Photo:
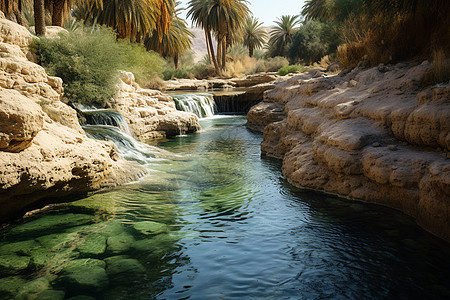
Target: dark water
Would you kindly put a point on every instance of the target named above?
(218, 222)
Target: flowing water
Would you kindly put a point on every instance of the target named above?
(215, 220)
(201, 104)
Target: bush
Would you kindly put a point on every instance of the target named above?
(88, 59)
(86, 62)
(145, 65)
(290, 69)
(312, 41)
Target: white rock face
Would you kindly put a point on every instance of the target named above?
(367, 135)
(43, 150)
(151, 114)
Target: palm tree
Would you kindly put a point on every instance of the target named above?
(282, 35)
(130, 18)
(224, 18)
(199, 14)
(254, 35)
(173, 43)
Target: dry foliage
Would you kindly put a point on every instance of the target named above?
(387, 40)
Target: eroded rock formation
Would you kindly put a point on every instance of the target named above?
(151, 114)
(43, 150)
(371, 135)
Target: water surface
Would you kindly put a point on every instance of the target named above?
(217, 221)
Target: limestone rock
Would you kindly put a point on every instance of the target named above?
(20, 121)
(252, 80)
(366, 134)
(151, 114)
(14, 34)
(43, 150)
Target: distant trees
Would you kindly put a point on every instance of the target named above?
(254, 36)
(312, 41)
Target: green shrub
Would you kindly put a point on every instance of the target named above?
(290, 69)
(87, 60)
(144, 64)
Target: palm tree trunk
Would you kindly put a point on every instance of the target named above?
(175, 61)
(207, 47)
(213, 56)
(39, 17)
(58, 12)
(250, 51)
(224, 53)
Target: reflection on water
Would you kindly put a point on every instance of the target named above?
(220, 223)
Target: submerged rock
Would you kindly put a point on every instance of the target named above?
(48, 224)
(13, 264)
(84, 275)
(122, 269)
(10, 285)
(32, 289)
(51, 295)
(93, 245)
(150, 228)
(120, 243)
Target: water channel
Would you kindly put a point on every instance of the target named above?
(215, 220)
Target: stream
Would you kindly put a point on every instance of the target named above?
(214, 219)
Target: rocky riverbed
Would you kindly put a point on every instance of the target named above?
(375, 135)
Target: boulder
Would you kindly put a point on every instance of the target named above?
(151, 114)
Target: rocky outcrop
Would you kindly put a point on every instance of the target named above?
(370, 135)
(44, 153)
(151, 114)
(204, 84)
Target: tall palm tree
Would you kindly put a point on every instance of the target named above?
(131, 18)
(282, 34)
(254, 35)
(222, 17)
(173, 43)
(198, 11)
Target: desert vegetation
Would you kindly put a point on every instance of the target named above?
(354, 33)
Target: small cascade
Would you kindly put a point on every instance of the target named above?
(109, 125)
(127, 146)
(106, 117)
(201, 104)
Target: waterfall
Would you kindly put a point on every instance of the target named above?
(106, 117)
(201, 104)
(109, 125)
